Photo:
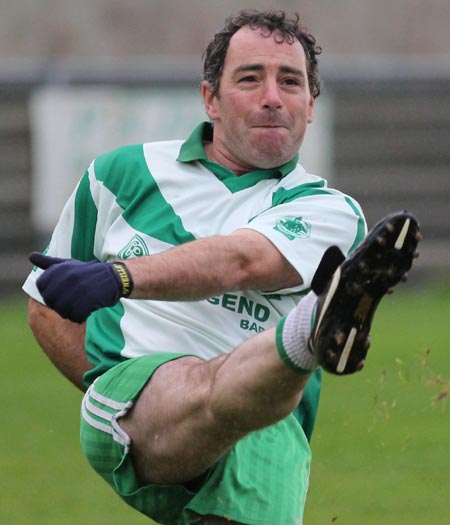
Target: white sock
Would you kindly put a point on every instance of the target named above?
(293, 332)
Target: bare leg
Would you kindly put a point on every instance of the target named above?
(192, 412)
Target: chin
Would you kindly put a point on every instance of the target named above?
(271, 157)
(269, 162)
(274, 149)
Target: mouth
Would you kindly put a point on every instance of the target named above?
(269, 126)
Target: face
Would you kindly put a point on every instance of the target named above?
(264, 103)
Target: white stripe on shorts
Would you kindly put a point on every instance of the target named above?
(110, 403)
(111, 425)
(93, 422)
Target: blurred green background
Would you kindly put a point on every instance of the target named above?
(381, 445)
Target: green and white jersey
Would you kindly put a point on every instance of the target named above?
(145, 199)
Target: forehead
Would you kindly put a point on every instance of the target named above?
(257, 46)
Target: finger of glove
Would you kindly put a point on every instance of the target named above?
(44, 261)
(50, 287)
(60, 294)
(75, 290)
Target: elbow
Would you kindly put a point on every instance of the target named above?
(268, 273)
(40, 316)
(33, 313)
(254, 277)
(36, 313)
(259, 265)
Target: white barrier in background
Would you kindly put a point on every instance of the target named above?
(72, 125)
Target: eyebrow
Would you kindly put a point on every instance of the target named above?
(260, 67)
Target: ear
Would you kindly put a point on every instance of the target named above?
(210, 100)
(311, 106)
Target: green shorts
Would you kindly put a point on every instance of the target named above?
(263, 480)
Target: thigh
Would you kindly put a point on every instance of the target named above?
(262, 479)
(111, 397)
(175, 437)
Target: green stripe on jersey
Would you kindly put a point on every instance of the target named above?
(125, 173)
(237, 182)
(104, 340)
(282, 196)
(84, 223)
(361, 229)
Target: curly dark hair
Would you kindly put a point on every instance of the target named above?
(286, 29)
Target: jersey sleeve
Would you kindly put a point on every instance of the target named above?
(74, 234)
(304, 228)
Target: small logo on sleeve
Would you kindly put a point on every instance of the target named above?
(135, 248)
(294, 228)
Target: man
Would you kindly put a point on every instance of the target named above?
(177, 268)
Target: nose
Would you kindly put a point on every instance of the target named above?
(271, 98)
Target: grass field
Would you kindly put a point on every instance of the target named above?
(381, 446)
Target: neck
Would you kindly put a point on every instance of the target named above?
(216, 155)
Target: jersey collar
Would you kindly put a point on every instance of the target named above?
(193, 150)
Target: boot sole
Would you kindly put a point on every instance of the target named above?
(346, 309)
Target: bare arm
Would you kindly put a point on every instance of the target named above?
(243, 260)
(61, 340)
(197, 270)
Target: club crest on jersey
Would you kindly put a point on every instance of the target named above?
(293, 227)
(135, 248)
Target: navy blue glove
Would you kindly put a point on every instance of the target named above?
(75, 289)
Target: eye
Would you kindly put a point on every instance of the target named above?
(248, 78)
(291, 81)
